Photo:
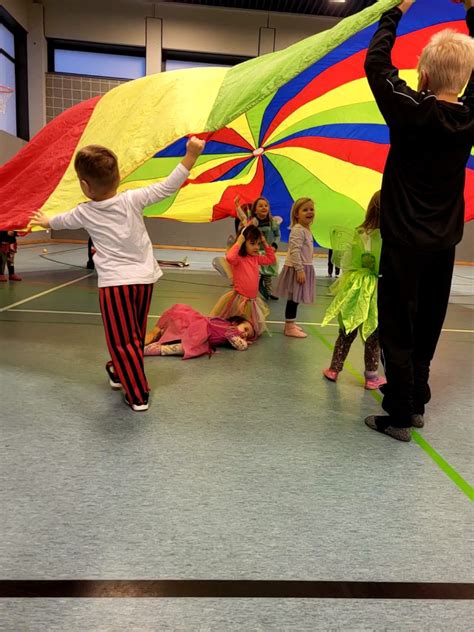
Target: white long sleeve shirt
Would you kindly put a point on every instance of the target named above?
(300, 248)
(124, 253)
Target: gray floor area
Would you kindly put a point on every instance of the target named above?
(236, 615)
(247, 466)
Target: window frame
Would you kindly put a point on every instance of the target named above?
(91, 47)
(21, 72)
(204, 58)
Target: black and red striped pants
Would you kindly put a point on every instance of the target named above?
(124, 311)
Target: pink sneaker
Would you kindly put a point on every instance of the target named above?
(372, 384)
(3, 278)
(294, 331)
(15, 277)
(330, 375)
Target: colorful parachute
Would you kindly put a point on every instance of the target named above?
(297, 122)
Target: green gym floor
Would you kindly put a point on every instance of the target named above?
(248, 467)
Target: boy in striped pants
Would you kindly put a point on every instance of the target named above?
(124, 260)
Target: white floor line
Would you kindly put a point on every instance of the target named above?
(460, 331)
(300, 322)
(270, 322)
(53, 289)
(54, 311)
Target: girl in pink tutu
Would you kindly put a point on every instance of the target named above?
(245, 262)
(297, 279)
(183, 331)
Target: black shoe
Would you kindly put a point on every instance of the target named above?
(137, 406)
(113, 379)
(382, 424)
(90, 265)
(272, 297)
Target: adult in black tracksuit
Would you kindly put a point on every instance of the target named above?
(422, 202)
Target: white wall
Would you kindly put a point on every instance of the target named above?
(185, 27)
(465, 250)
(104, 21)
(18, 9)
(290, 28)
(9, 146)
(37, 68)
(211, 30)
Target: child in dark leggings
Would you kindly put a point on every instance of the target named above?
(355, 300)
(371, 358)
(331, 266)
(8, 250)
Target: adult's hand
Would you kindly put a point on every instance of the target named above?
(405, 5)
(469, 4)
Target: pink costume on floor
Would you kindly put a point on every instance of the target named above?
(243, 300)
(198, 334)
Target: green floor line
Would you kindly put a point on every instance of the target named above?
(456, 478)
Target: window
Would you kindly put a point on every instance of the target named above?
(7, 41)
(13, 77)
(7, 102)
(98, 64)
(96, 60)
(176, 60)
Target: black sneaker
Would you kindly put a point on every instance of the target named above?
(272, 297)
(137, 407)
(114, 382)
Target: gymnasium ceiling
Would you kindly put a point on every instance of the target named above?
(332, 8)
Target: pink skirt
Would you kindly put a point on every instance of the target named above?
(252, 309)
(184, 324)
(288, 286)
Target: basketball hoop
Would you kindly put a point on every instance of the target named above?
(5, 94)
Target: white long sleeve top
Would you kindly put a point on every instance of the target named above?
(300, 248)
(124, 253)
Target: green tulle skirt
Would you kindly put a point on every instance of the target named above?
(355, 302)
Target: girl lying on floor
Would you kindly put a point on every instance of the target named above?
(183, 331)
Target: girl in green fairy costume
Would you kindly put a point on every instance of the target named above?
(355, 297)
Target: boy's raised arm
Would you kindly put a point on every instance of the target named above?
(194, 148)
(389, 90)
(145, 196)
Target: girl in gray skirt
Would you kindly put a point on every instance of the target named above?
(297, 279)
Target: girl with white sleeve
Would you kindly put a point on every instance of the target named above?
(124, 260)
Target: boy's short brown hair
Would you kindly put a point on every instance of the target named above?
(98, 166)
